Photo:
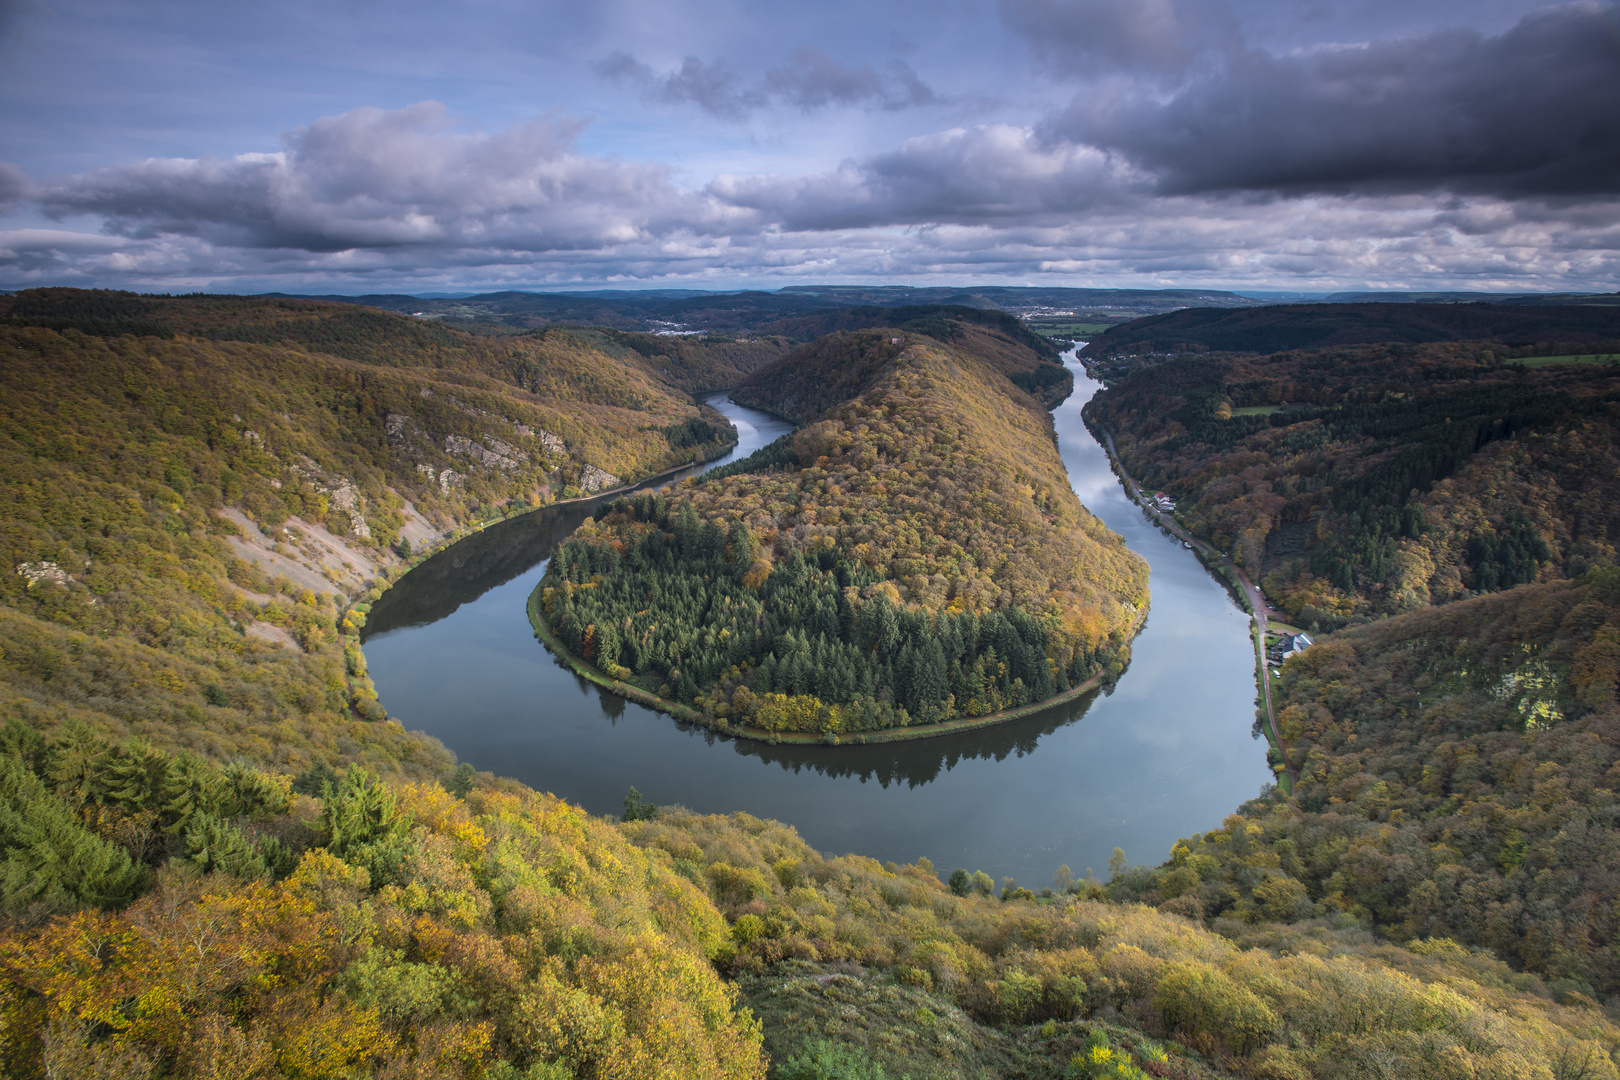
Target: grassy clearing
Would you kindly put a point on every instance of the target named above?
(1069, 330)
(1256, 410)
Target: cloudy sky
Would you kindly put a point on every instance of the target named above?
(447, 145)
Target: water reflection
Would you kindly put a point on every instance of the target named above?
(914, 764)
(471, 567)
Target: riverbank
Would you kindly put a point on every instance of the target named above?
(630, 692)
(363, 699)
(1238, 583)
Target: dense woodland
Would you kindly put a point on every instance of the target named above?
(1313, 326)
(1457, 774)
(1366, 481)
(750, 313)
(222, 922)
(125, 604)
(218, 860)
(913, 553)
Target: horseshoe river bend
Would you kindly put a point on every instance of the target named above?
(1167, 753)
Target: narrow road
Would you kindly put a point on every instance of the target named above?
(1259, 607)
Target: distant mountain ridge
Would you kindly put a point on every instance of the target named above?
(746, 311)
(1310, 326)
(1523, 299)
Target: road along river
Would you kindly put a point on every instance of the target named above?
(1168, 753)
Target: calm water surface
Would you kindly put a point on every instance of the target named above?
(1166, 754)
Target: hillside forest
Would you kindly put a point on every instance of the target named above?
(911, 554)
(1362, 481)
(187, 514)
(220, 859)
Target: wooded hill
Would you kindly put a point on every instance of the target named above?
(194, 886)
(365, 334)
(1364, 481)
(749, 312)
(1314, 326)
(1029, 360)
(182, 511)
(913, 553)
(1457, 769)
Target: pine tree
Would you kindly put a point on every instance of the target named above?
(212, 844)
(687, 530)
(929, 684)
(363, 826)
(50, 860)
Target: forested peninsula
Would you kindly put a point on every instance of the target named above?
(219, 858)
(911, 555)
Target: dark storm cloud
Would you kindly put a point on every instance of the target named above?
(808, 80)
(812, 80)
(714, 88)
(1174, 153)
(711, 87)
(1532, 111)
(1141, 37)
(992, 173)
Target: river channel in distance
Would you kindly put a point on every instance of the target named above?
(1167, 754)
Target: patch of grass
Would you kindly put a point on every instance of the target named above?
(1256, 410)
(1069, 330)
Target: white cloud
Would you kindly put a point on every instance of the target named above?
(408, 200)
(403, 178)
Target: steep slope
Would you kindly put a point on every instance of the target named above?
(1457, 769)
(170, 919)
(251, 930)
(882, 966)
(916, 554)
(1361, 482)
(182, 511)
(1028, 359)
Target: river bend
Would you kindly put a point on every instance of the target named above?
(1167, 753)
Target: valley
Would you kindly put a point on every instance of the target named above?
(198, 749)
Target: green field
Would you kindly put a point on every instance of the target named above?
(1588, 358)
(1256, 410)
(1070, 330)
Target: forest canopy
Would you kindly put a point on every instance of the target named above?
(1278, 327)
(219, 859)
(185, 514)
(1360, 482)
(912, 554)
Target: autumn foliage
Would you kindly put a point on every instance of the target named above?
(920, 553)
(1361, 482)
(395, 931)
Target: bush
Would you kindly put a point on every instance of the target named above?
(1200, 1000)
(824, 1060)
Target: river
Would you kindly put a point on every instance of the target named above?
(1166, 754)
